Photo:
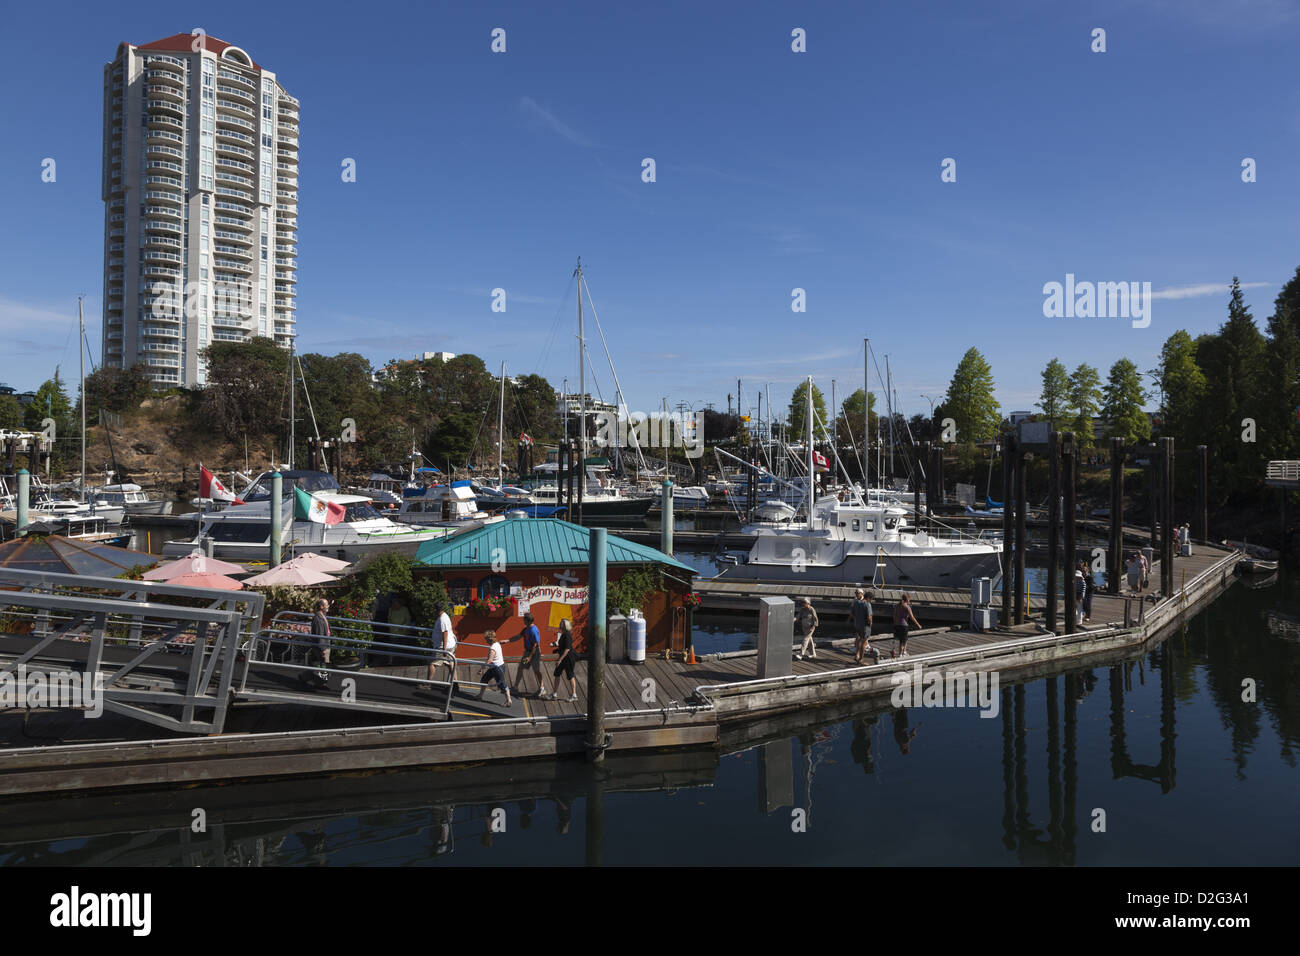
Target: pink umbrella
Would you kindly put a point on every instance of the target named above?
(288, 574)
(316, 562)
(195, 563)
(200, 580)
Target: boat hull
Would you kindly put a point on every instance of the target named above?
(887, 570)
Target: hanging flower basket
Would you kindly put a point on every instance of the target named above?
(494, 606)
(691, 601)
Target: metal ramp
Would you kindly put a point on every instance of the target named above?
(159, 653)
(179, 658)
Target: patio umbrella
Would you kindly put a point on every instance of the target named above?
(287, 574)
(194, 563)
(205, 580)
(316, 562)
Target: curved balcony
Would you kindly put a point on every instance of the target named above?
(287, 158)
(225, 236)
(164, 106)
(235, 164)
(229, 120)
(234, 208)
(169, 76)
(233, 134)
(158, 149)
(159, 120)
(231, 90)
(227, 146)
(165, 211)
(228, 177)
(163, 62)
(160, 135)
(233, 105)
(165, 92)
(153, 240)
(231, 75)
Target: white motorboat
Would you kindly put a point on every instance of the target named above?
(132, 498)
(242, 532)
(445, 506)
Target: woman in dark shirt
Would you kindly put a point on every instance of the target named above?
(564, 665)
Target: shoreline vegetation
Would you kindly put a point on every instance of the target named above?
(1236, 390)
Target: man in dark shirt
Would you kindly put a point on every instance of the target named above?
(532, 659)
(862, 623)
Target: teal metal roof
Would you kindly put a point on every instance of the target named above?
(534, 541)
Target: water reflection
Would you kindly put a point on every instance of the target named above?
(849, 768)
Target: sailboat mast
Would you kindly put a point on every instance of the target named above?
(81, 351)
(866, 412)
(293, 433)
(889, 391)
(582, 383)
(812, 484)
(501, 422)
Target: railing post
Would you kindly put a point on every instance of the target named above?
(596, 646)
(276, 505)
(24, 499)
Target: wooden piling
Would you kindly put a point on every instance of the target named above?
(1069, 464)
(1008, 527)
(1203, 494)
(1169, 534)
(1054, 529)
(596, 641)
(1022, 509)
(1115, 557)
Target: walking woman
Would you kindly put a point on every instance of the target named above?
(903, 614)
(564, 665)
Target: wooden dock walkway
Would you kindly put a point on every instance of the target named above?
(652, 705)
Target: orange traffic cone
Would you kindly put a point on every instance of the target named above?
(691, 659)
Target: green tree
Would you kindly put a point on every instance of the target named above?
(247, 388)
(1056, 393)
(970, 401)
(1183, 385)
(11, 413)
(798, 417)
(850, 418)
(52, 401)
(114, 389)
(1282, 362)
(1084, 402)
(1233, 361)
(1123, 398)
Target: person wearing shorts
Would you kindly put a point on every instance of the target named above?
(496, 668)
(532, 659)
(903, 614)
(564, 665)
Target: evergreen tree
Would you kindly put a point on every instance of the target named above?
(970, 402)
(1084, 403)
(1056, 393)
(1282, 362)
(1233, 361)
(11, 413)
(1123, 398)
(1183, 385)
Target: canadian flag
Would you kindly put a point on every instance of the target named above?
(525, 438)
(210, 487)
(820, 460)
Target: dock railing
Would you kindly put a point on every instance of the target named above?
(1283, 471)
(145, 647)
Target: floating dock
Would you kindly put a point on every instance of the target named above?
(659, 704)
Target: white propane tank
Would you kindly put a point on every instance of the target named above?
(635, 637)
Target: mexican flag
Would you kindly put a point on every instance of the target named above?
(310, 508)
(210, 487)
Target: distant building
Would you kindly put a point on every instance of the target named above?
(1017, 417)
(437, 356)
(200, 190)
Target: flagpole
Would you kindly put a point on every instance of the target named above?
(200, 539)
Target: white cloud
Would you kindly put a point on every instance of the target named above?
(1206, 288)
(537, 116)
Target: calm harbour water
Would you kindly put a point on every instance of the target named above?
(1186, 772)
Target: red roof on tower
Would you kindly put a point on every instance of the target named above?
(184, 43)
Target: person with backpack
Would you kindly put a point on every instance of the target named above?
(532, 659)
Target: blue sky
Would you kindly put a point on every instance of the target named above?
(775, 170)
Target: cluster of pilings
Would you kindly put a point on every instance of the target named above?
(570, 473)
(1062, 455)
(34, 452)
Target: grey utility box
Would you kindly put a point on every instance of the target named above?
(775, 637)
(616, 638)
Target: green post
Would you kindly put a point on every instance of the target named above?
(24, 498)
(666, 522)
(596, 646)
(277, 505)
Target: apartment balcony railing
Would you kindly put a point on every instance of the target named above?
(165, 197)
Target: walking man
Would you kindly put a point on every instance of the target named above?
(862, 622)
(532, 659)
(444, 638)
(318, 651)
(805, 623)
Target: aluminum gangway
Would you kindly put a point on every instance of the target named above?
(180, 657)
